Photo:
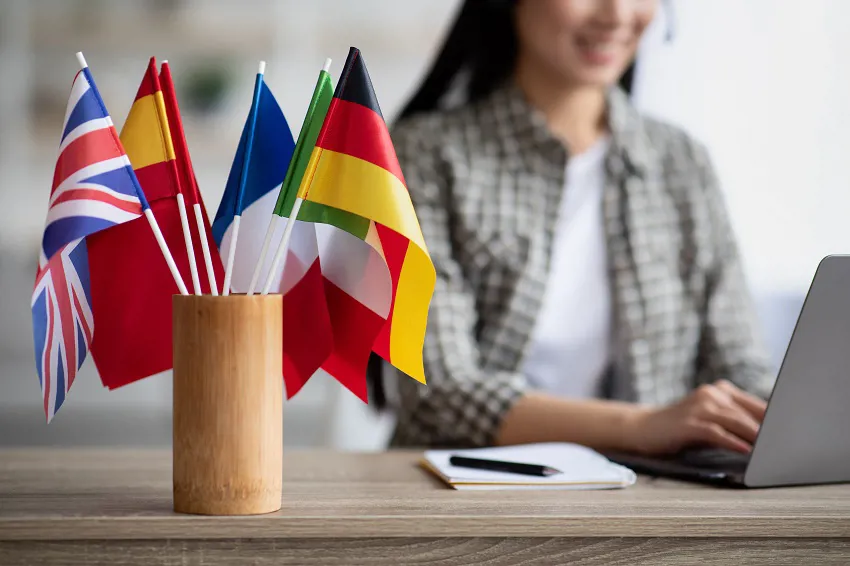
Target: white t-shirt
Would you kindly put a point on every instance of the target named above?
(570, 346)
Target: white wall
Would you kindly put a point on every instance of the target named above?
(765, 83)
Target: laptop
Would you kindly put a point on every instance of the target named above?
(805, 436)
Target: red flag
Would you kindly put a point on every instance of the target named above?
(189, 184)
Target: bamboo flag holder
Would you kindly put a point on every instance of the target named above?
(228, 397)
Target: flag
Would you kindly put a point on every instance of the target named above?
(307, 332)
(274, 164)
(94, 189)
(188, 183)
(378, 297)
(271, 148)
(131, 285)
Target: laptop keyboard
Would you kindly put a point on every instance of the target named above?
(715, 458)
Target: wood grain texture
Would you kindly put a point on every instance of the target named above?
(99, 507)
(228, 396)
(442, 551)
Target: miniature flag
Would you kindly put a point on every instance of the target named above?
(132, 287)
(202, 229)
(267, 155)
(94, 189)
(378, 275)
(307, 332)
(262, 158)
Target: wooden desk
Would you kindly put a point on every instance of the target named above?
(114, 507)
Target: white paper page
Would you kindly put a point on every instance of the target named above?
(579, 466)
(536, 486)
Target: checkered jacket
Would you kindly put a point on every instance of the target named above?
(486, 181)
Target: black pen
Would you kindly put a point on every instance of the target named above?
(500, 466)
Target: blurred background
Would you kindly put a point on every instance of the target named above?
(763, 83)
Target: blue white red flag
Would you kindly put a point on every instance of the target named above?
(94, 188)
(258, 169)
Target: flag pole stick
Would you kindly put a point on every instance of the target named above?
(205, 247)
(273, 222)
(166, 253)
(163, 247)
(284, 244)
(231, 255)
(184, 224)
(190, 248)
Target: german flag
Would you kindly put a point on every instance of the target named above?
(130, 282)
(378, 301)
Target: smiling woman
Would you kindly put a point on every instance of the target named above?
(589, 288)
(579, 42)
(483, 44)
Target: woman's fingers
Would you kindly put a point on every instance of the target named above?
(752, 404)
(716, 435)
(719, 414)
(737, 422)
(727, 417)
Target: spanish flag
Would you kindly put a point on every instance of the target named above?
(131, 284)
(378, 298)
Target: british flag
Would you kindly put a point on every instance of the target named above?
(94, 188)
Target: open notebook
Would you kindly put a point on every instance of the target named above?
(581, 468)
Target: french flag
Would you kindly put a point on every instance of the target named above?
(259, 167)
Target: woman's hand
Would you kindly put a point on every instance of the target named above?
(719, 415)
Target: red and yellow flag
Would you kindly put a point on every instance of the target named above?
(130, 282)
(379, 306)
(148, 140)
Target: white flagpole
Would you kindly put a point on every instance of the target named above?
(231, 254)
(190, 248)
(205, 247)
(284, 244)
(169, 259)
(275, 220)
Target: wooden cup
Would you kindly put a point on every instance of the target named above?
(228, 396)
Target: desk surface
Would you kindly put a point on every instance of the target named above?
(101, 500)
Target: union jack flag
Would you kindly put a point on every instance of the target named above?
(94, 188)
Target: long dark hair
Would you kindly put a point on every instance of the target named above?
(483, 44)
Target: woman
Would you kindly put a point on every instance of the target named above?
(588, 285)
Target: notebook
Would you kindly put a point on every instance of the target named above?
(581, 468)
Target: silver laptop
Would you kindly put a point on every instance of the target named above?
(805, 436)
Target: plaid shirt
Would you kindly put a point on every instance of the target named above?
(486, 181)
